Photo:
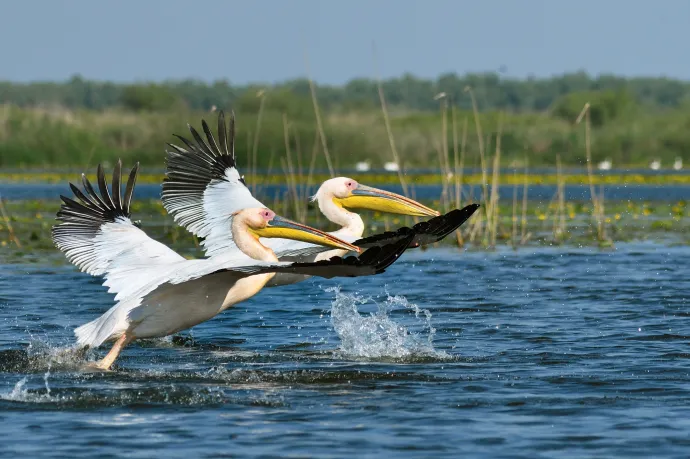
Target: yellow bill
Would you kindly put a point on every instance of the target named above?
(364, 197)
(283, 228)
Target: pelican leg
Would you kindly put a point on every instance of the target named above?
(108, 360)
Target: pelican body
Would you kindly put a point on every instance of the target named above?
(159, 292)
(336, 198)
(203, 186)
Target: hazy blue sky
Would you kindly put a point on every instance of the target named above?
(265, 40)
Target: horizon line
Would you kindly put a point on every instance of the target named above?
(501, 76)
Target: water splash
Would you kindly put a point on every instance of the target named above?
(45, 355)
(377, 335)
(21, 393)
(45, 380)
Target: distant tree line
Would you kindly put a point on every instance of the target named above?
(493, 92)
(633, 120)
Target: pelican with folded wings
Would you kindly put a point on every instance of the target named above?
(203, 186)
(157, 291)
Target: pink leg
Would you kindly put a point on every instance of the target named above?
(106, 362)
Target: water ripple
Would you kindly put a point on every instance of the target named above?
(539, 353)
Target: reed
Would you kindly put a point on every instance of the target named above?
(480, 140)
(559, 221)
(389, 133)
(442, 149)
(477, 228)
(8, 224)
(319, 123)
(459, 167)
(443, 171)
(249, 152)
(289, 171)
(301, 187)
(269, 170)
(255, 145)
(444, 162)
(525, 235)
(514, 219)
(597, 204)
(493, 208)
(310, 172)
(604, 240)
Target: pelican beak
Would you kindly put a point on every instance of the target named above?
(280, 227)
(365, 197)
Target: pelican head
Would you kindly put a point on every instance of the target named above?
(347, 193)
(262, 222)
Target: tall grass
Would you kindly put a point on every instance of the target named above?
(54, 136)
(459, 167)
(255, 146)
(8, 224)
(525, 235)
(597, 201)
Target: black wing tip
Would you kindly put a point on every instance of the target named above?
(467, 210)
(200, 161)
(91, 209)
(198, 146)
(423, 233)
(370, 262)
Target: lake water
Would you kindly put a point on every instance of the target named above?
(537, 353)
(658, 193)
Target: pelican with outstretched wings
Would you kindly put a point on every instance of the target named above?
(203, 186)
(157, 291)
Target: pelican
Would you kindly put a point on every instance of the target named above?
(157, 291)
(203, 186)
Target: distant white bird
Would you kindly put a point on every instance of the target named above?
(391, 166)
(604, 165)
(655, 165)
(203, 186)
(159, 292)
(362, 166)
(678, 164)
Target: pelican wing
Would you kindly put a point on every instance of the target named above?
(203, 187)
(373, 261)
(96, 233)
(427, 232)
(98, 236)
(164, 307)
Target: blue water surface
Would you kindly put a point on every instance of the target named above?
(537, 353)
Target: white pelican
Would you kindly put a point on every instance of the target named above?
(605, 165)
(203, 186)
(158, 292)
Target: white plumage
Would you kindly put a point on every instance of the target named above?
(202, 186)
(157, 291)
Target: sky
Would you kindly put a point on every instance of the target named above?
(337, 40)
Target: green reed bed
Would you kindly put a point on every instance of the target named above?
(151, 175)
(669, 223)
(59, 137)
